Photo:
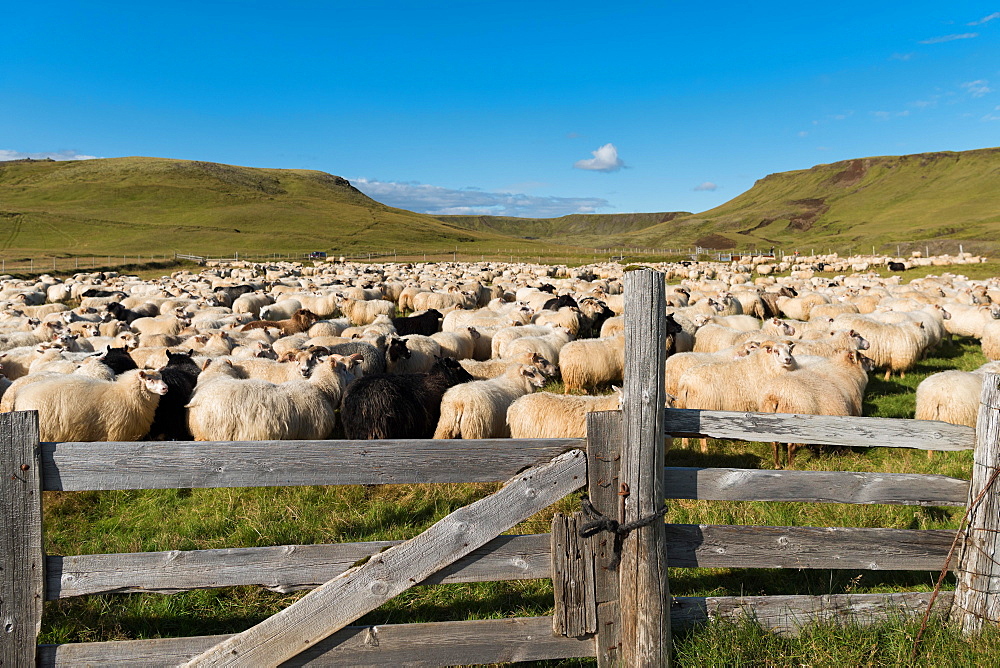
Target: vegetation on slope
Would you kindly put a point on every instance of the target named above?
(157, 204)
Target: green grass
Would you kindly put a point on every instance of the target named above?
(153, 520)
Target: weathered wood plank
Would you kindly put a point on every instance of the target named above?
(282, 568)
(575, 612)
(173, 464)
(22, 581)
(730, 484)
(723, 546)
(788, 615)
(429, 644)
(977, 591)
(604, 438)
(500, 640)
(864, 432)
(361, 589)
(644, 593)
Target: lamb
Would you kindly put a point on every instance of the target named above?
(361, 312)
(548, 415)
(229, 409)
(478, 409)
(300, 321)
(399, 405)
(77, 408)
(588, 363)
(494, 368)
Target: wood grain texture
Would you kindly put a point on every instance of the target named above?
(282, 568)
(430, 644)
(730, 484)
(724, 546)
(575, 612)
(788, 615)
(361, 589)
(644, 593)
(862, 432)
(22, 582)
(977, 590)
(604, 439)
(177, 464)
(499, 640)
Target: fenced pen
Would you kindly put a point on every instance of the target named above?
(619, 614)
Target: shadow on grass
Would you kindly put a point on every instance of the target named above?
(778, 582)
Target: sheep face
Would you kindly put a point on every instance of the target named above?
(782, 353)
(153, 382)
(535, 377)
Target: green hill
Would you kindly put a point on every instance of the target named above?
(159, 205)
(930, 199)
(156, 204)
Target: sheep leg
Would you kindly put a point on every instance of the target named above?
(902, 374)
(704, 445)
(888, 372)
(686, 443)
(792, 447)
(930, 454)
(777, 457)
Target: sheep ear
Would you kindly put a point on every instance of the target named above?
(142, 374)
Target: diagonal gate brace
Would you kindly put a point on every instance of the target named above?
(359, 590)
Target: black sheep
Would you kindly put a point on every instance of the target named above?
(170, 420)
(557, 303)
(405, 405)
(426, 323)
(897, 266)
(118, 360)
(672, 327)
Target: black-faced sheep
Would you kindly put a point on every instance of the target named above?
(170, 420)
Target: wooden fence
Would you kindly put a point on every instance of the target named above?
(621, 615)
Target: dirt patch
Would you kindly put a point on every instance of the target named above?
(763, 223)
(811, 210)
(715, 242)
(855, 171)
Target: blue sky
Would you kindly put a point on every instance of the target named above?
(512, 108)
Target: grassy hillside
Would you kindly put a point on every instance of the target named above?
(156, 204)
(934, 199)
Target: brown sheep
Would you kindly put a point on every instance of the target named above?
(300, 321)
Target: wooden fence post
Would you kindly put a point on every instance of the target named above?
(977, 592)
(604, 442)
(22, 564)
(644, 591)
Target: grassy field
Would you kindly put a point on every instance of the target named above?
(98, 522)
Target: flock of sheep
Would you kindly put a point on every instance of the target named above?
(291, 352)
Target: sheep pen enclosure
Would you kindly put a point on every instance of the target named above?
(591, 617)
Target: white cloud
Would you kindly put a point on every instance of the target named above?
(949, 38)
(605, 160)
(977, 88)
(439, 201)
(993, 116)
(985, 19)
(886, 115)
(901, 56)
(803, 133)
(707, 185)
(7, 154)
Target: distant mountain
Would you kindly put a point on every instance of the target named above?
(928, 199)
(938, 200)
(158, 204)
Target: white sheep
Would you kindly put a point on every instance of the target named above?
(734, 385)
(547, 345)
(991, 340)
(891, 346)
(74, 407)
(363, 312)
(548, 415)
(460, 344)
(225, 408)
(952, 396)
(421, 352)
(588, 363)
(493, 368)
(478, 409)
